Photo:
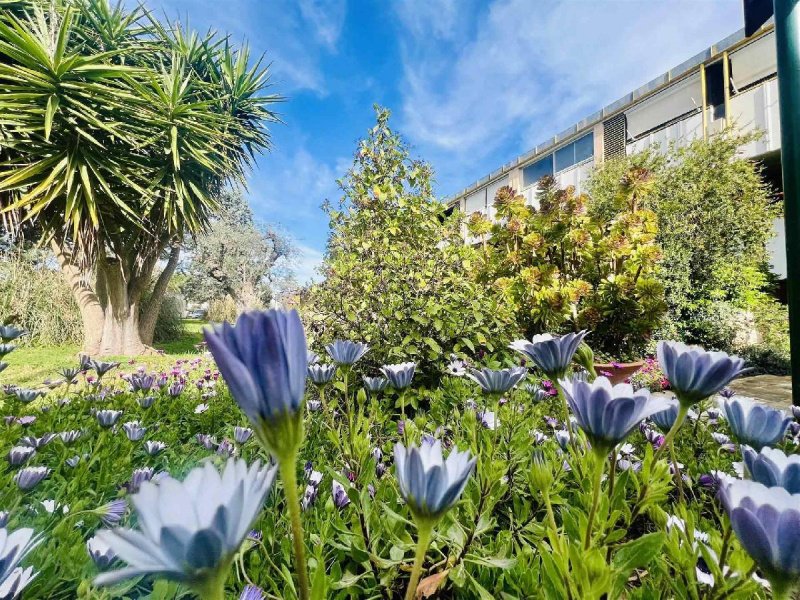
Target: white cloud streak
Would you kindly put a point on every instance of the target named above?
(306, 264)
(518, 72)
(294, 35)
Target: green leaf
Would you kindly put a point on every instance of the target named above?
(49, 113)
(637, 553)
(433, 345)
(494, 562)
(483, 593)
(319, 584)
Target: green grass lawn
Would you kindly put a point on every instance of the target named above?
(29, 366)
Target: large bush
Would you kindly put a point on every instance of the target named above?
(714, 215)
(397, 274)
(33, 291)
(562, 268)
(169, 325)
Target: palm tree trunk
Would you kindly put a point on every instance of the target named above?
(92, 313)
(109, 297)
(149, 314)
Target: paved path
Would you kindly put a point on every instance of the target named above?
(775, 390)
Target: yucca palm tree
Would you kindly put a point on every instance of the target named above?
(116, 134)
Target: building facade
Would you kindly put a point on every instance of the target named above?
(734, 82)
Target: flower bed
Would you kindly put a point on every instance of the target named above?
(501, 483)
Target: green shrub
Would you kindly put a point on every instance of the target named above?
(766, 359)
(38, 295)
(715, 216)
(711, 324)
(169, 326)
(33, 290)
(222, 309)
(397, 271)
(772, 322)
(561, 267)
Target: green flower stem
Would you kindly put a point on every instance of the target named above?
(350, 404)
(423, 541)
(213, 588)
(551, 518)
(563, 397)
(612, 475)
(682, 412)
(598, 480)
(677, 470)
(782, 588)
(726, 540)
(403, 415)
(289, 477)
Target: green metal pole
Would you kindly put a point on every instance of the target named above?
(787, 39)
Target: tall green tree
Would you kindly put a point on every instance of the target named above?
(397, 273)
(117, 133)
(238, 258)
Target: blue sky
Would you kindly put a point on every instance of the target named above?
(471, 84)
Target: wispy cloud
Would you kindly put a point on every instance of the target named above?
(506, 77)
(326, 18)
(279, 28)
(293, 184)
(289, 189)
(306, 264)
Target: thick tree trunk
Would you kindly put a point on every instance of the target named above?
(92, 313)
(113, 320)
(149, 317)
(119, 297)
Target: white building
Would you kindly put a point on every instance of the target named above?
(732, 82)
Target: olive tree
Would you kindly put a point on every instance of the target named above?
(238, 258)
(117, 134)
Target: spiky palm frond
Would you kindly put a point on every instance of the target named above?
(112, 124)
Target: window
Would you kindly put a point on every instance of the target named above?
(565, 157)
(584, 148)
(715, 89)
(535, 171)
(576, 152)
(674, 102)
(573, 153)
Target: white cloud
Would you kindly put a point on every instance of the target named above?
(519, 72)
(305, 265)
(326, 18)
(441, 19)
(291, 185)
(279, 28)
(288, 190)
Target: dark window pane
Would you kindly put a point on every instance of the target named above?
(565, 157)
(535, 171)
(715, 84)
(584, 148)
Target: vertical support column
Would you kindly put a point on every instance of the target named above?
(787, 40)
(599, 143)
